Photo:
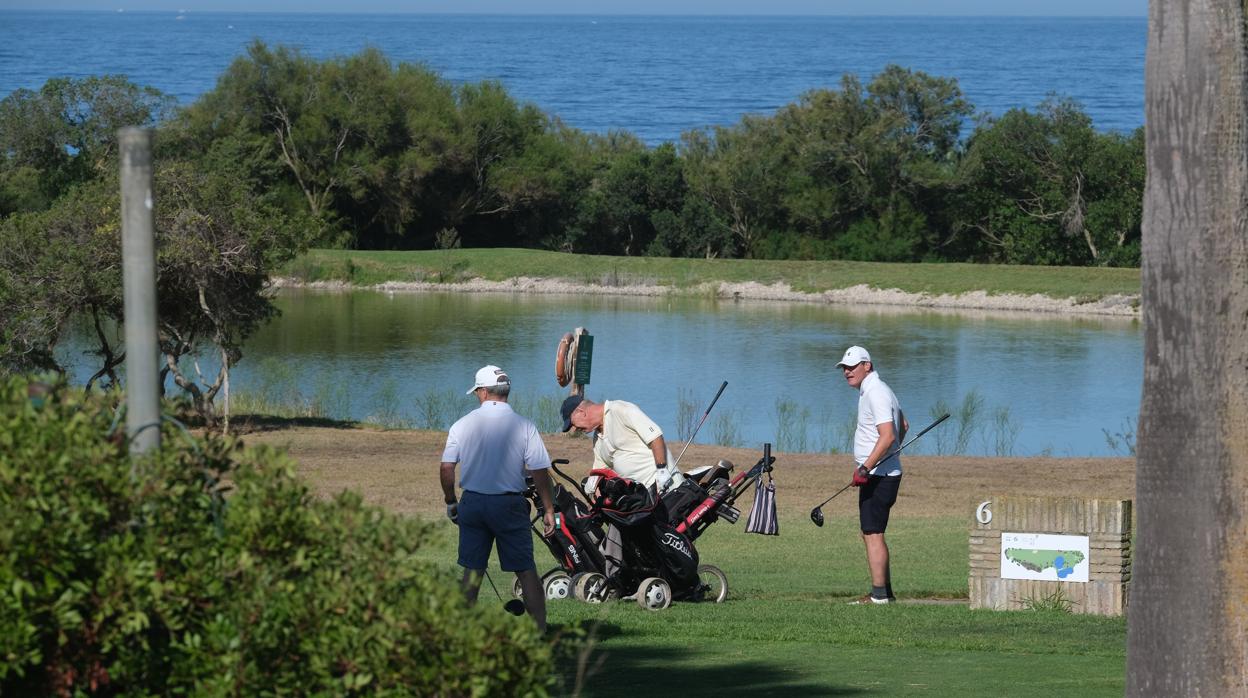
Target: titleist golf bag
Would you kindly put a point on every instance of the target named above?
(652, 546)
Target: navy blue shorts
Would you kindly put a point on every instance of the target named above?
(875, 499)
(486, 518)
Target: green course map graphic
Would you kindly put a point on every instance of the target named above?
(1062, 561)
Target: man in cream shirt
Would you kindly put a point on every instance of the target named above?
(625, 439)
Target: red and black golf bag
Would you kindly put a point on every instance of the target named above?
(578, 534)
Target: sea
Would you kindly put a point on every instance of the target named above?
(656, 77)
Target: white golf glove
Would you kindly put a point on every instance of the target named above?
(663, 478)
(452, 512)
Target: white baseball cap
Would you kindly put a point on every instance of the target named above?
(854, 356)
(489, 377)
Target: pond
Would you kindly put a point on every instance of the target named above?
(1016, 384)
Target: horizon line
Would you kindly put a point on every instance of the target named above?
(568, 14)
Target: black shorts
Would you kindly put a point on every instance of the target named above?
(875, 499)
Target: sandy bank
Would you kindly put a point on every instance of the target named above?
(1116, 305)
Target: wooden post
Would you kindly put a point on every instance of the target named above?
(138, 247)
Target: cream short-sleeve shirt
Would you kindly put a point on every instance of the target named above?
(624, 443)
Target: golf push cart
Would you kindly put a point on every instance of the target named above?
(659, 562)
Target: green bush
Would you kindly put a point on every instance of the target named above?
(210, 569)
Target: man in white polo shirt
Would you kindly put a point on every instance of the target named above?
(881, 427)
(495, 446)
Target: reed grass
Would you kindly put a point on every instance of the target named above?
(686, 414)
(386, 411)
(438, 409)
(792, 425)
(1122, 442)
(542, 409)
(727, 428)
(275, 391)
(1002, 433)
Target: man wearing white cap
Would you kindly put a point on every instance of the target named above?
(496, 446)
(881, 427)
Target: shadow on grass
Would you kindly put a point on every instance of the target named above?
(607, 671)
(257, 423)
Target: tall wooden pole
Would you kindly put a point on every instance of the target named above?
(1188, 607)
(138, 248)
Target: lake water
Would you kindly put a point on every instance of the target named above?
(654, 76)
(1064, 381)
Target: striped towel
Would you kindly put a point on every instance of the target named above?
(762, 519)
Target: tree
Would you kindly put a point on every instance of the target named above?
(217, 245)
(496, 162)
(66, 133)
(738, 172)
(869, 168)
(1189, 586)
(58, 264)
(1045, 187)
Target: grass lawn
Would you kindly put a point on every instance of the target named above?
(446, 266)
(786, 629)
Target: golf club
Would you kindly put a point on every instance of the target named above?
(704, 416)
(816, 514)
(515, 607)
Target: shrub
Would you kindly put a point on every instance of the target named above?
(210, 569)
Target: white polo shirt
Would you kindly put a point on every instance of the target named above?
(877, 404)
(624, 442)
(493, 446)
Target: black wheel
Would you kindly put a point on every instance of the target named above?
(714, 583)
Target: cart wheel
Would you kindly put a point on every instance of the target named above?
(558, 585)
(654, 594)
(590, 587)
(714, 583)
(517, 589)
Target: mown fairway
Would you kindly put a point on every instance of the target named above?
(786, 628)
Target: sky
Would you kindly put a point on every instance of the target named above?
(1048, 8)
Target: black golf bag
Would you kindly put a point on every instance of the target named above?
(578, 535)
(651, 544)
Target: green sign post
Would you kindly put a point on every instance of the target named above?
(584, 357)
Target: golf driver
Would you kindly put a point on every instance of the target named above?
(515, 607)
(705, 414)
(816, 514)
